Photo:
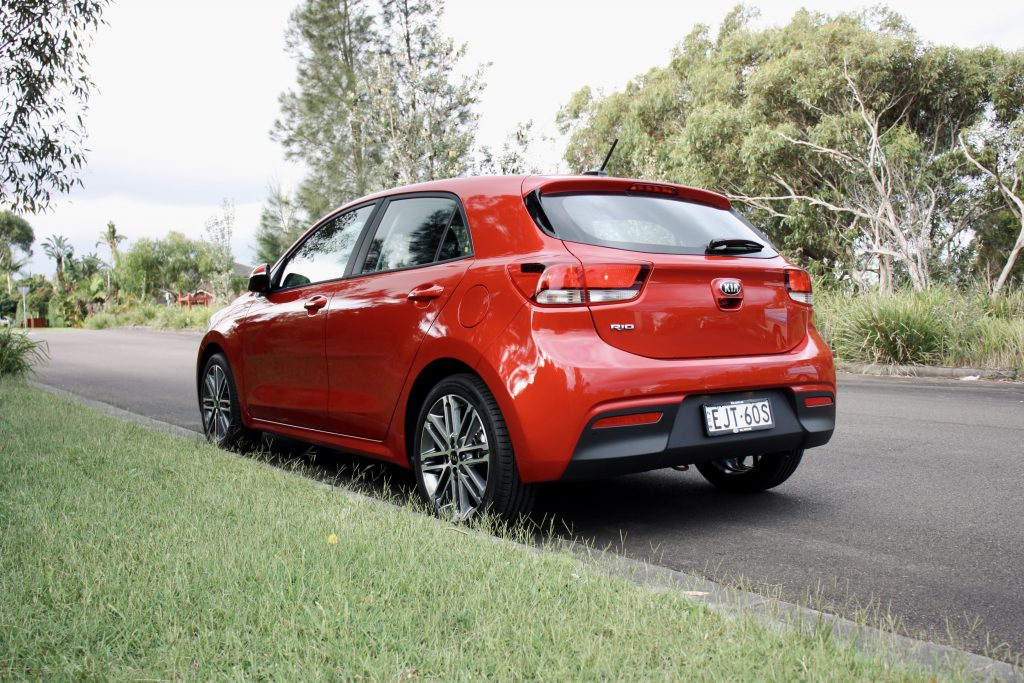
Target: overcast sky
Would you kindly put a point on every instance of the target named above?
(187, 92)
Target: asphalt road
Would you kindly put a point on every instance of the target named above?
(917, 504)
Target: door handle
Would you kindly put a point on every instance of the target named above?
(426, 292)
(315, 304)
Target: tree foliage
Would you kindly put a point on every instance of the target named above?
(377, 101)
(15, 235)
(279, 226)
(44, 92)
(175, 264)
(838, 132)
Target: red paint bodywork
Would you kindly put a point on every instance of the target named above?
(343, 374)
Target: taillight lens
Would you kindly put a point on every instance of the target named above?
(572, 284)
(798, 284)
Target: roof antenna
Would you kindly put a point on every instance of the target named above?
(600, 171)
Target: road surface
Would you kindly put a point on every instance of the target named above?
(917, 503)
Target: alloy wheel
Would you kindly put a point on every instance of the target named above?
(216, 404)
(454, 457)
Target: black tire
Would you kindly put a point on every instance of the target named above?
(219, 410)
(446, 456)
(751, 474)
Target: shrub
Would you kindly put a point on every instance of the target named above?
(941, 326)
(18, 352)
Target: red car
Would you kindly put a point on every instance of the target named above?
(493, 333)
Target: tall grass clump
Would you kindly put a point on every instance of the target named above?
(939, 326)
(18, 353)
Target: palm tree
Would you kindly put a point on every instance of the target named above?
(9, 265)
(58, 248)
(111, 237)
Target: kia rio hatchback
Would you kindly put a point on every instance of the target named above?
(493, 333)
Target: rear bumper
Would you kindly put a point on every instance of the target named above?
(553, 376)
(680, 438)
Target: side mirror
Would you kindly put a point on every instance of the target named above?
(259, 280)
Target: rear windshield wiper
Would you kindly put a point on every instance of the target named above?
(735, 246)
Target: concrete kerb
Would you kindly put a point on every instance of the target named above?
(730, 602)
(930, 371)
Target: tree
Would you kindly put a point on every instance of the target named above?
(515, 156)
(377, 100)
(15, 234)
(422, 114)
(60, 250)
(995, 146)
(45, 92)
(323, 121)
(219, 229)
(174, 264)
(111, 238)
(279, 226)
(839, 133)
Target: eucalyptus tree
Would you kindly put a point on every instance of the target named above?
(44, 93)
(839, 132)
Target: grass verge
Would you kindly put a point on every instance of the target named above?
(128, 554)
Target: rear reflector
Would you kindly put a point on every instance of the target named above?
(798, 284)
(817, 401)
(567, 284)
(628, 420)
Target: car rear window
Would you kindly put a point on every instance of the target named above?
(657, 225)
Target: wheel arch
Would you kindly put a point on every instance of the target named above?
(209, 349)
(429, 376)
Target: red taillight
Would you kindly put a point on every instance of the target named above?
(561, 284)
(568, 284)
(628, 420)
(798, 284)
(817, 401)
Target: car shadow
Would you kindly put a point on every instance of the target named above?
(633, 514)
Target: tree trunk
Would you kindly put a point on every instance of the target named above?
(1010, 260)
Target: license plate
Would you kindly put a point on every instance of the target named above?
(748, 415)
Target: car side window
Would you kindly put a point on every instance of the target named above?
(410, 232)
(324, 255)
(456, 242)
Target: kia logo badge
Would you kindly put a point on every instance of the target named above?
(730, 287)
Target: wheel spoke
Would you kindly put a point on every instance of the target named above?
(474, 484)
(430, 428)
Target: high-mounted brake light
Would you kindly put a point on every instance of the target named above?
(798, 284)
(651, 188)
(569, 284)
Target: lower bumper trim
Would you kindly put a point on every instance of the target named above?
(679, 438)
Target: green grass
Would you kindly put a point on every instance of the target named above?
(941, 326)
(127, 554)
(152, 315)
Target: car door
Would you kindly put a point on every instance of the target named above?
(285, 370)
(403, 276)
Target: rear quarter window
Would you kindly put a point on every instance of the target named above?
(647, 224)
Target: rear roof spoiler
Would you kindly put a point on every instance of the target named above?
(547, 185)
